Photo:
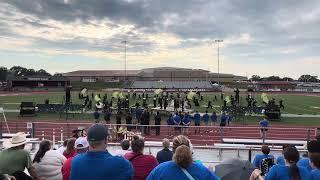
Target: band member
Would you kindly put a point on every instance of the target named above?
(160, 102)
(209, 105)
(154, 102)
(254, 103)
(165, 103)
(281, 104)
(144, 102)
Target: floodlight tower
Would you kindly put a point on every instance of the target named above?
(125, 42)
(218, 41)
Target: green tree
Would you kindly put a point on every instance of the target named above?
(255, 78)
(308, 78)
(3, 73)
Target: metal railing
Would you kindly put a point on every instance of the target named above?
(203, 135)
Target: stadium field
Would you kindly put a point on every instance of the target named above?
(294, 103)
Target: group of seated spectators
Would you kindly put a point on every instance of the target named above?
(87, 158)
(288, 166)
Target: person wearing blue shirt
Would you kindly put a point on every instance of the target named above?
(186, 121)
(170, 123)
(197, 118)
(315, 163)
(280, 159)
(265, 154)
(97, 163)
(284, 172)
(139, 112)
(223, 119)
(182, 166)
(177, 122)
(264, 127)
(205, 118)
(313, 148)
(213, 119)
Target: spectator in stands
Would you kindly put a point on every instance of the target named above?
(313, 148)
(62, 148)
(197, 118)
(142, 164)
(102, 164)
(157, 122)
(6, 177)
(82, 146)
(315, 163)
(213, 118)
(223, 119)
(259, 157)
(47, 163)
(182, 165)
(186, 121)
(280, 159)
(125, 145)
(14, 159)
(284, 172)
(264, 123)
(70, 150)
(165, 154)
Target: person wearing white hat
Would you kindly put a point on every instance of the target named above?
(82, 146)
(14, 159)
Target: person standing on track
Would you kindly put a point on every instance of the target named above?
(197, 118)
(213, 118)
(264, 123)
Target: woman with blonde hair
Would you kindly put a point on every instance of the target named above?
(182, 165)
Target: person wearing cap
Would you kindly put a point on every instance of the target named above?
(14, 159)
(82, 146)
(98, 163)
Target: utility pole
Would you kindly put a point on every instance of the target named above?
(218, 41)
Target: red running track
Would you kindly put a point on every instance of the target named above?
(207, 135)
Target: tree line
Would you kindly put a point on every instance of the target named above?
(302, 78)
(18, 71)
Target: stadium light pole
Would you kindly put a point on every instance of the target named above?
(125, 42)
(218, 41)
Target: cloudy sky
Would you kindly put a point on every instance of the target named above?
(259, 37)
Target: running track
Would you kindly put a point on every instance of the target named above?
(207, 136)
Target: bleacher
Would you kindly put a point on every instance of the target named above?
(172, 84)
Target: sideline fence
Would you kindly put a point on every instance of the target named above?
(200, 135)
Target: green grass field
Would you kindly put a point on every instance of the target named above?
(294, 104)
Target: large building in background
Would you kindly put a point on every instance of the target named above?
(152, 74)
